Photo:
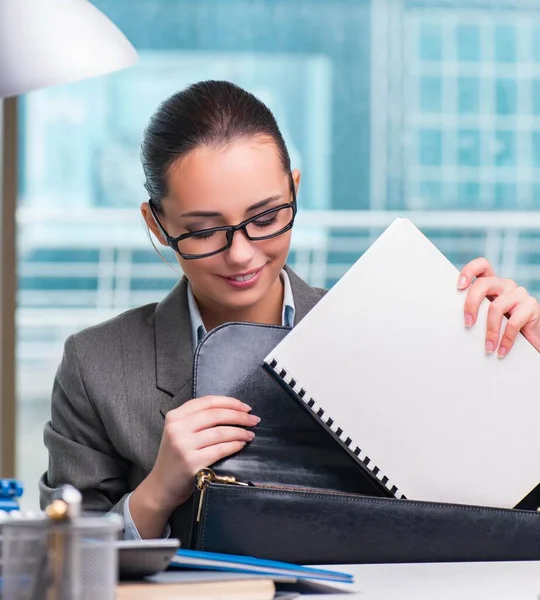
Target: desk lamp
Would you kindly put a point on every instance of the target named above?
(42, 43)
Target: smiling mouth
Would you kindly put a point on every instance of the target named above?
(247, 277)
(244, 279)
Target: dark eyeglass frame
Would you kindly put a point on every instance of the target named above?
(229, 229)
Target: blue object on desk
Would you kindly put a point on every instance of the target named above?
(10, 491)
(196, 559)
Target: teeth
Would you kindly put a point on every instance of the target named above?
(245, 277)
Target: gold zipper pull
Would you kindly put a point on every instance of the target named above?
(203, 477)
(206, 476)
(201, 498)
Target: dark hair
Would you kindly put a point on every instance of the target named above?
(208, 113)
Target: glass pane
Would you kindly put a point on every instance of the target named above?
(431, 94)
(505, 153)
(535, 41)
(535, 99)
(468, 194)
(468, 90)
(431, 41)
(431, 193)
(430, 147)
(505, 43)
(505, 96)
(469, 148)
(505, 194)
(468, 42)
(536, 148)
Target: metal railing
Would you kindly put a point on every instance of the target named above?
(82, 267)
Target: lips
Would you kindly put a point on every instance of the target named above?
(244, 280)
(244, 276)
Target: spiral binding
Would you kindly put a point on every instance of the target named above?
(342, 436)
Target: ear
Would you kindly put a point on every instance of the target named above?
(151, 223)
(296, 180)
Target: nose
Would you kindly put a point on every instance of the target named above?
(241, 251)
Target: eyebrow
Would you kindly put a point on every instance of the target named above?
(257, 205)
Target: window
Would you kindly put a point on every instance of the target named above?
(430, 147)
(431, 94)
(468, 43)
(505, 194)
(468, 95)
(468, 194)
(535, 42)
(536, 148)
(431, 41)
(505, 43)
(505, 96)
(468, 145)
(431, 193)
(505, 149)
(535, 93)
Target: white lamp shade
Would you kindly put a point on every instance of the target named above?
(49, 42)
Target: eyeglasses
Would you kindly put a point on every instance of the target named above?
(207, 242)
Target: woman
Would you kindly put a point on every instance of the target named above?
(223, 196)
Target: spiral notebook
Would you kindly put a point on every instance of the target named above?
(386, 365)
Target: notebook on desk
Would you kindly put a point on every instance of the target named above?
(193, 559)
(386, 365)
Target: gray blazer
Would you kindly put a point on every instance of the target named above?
(116, 382)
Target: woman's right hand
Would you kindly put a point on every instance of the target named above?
(196, 435)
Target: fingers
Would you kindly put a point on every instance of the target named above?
(221, 435)
(205, 403)
(497, 309)
(479, 267)
(219, 416)
(520, 316)
(480, 289)
(210, 455)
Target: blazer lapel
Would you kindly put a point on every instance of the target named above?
(305, 297)
(174, 347)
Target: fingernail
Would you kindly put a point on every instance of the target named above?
(462, 282)
(469, 320)
(247, 406)
(502, 352)
(255, 419)
(490, 346)
(251, 435)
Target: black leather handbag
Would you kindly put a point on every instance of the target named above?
(294, 494)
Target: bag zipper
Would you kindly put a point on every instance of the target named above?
(207, 476)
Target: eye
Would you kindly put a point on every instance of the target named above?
(266, 222)
(202, 235)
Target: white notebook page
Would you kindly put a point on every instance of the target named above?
(387, 356)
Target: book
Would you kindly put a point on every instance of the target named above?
(191, 585)
(195, 559)
(386, 365)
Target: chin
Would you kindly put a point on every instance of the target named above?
(236, 301)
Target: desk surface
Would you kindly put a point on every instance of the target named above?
(451, 581)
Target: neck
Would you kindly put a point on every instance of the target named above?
(267, 311)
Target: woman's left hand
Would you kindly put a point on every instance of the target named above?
(507, 298)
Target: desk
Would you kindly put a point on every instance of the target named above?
(451, 581)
